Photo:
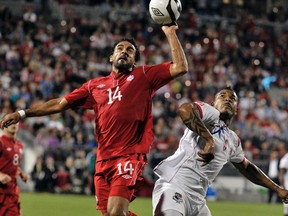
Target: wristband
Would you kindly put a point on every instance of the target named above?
(22, 114)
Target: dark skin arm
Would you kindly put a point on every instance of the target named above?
(190, 116)
(257, 176)
(282, 172)
(50, 107)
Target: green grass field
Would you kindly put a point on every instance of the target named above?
(35, 204)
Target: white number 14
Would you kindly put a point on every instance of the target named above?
(117, 95)
(127, 167)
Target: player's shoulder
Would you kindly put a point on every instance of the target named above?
(145, 68)
(97, 82)
(99, 79)
(19, 144)
(141, 69)
(206, 108)
(203, 104)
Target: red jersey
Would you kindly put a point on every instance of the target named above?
(11, 151)
(122, 107)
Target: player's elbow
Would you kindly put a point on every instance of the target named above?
(184, 110)
(179, 69)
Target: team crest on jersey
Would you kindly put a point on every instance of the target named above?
(101, 86)
(178, 197)
(130, 77)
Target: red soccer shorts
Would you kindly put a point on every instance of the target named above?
(121, 176)
(9, 205)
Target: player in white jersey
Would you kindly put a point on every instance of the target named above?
(206, 146)
(283, 177)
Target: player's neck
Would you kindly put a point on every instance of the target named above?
(227, 120)
(9, 135)
(119, 73)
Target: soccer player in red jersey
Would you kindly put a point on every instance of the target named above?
(122, 103)
(10, 156)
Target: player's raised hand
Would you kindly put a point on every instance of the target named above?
(9, 119)
(170, 28)
(207, 154)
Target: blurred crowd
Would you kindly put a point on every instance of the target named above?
(227, 43)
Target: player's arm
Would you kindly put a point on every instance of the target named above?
(180, 64)
(282, 172)
(22, 175)
(257, 176)
(190, 116)
(50, 107)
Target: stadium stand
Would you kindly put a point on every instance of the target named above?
(47, 48)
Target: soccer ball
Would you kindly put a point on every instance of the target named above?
(165, 12)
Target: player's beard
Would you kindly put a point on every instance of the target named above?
(123, 67)
(227, 116)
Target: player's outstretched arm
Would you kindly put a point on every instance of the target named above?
(190, 116)
(50, 107)
(180, 64)
(257, 176)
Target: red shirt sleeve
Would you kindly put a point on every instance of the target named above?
(81, 97)
(158, 75)
(200, 109)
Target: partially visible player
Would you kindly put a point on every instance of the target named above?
(10, 155)
(206, 146)
(283, 178)
(122, 103)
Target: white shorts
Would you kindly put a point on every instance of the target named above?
(167, 196)
(285, 209)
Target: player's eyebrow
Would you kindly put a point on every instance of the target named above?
(119, 45)
(130, 47)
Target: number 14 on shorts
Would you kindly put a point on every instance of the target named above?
(125, 168)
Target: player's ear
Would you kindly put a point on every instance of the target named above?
(236, 111)
(111, 58)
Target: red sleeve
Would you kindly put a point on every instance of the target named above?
(200, 109)
(81, 97)
(158, 75)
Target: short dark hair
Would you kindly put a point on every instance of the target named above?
(132, 41)
(228, 88)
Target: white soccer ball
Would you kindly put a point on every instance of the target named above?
(165, 11)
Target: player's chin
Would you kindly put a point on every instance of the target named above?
(226, 114)
(124, 67)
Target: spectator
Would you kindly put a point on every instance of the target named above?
(273, 173)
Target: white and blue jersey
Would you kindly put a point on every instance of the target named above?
(182, 172)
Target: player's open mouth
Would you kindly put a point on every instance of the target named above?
(122, 59)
